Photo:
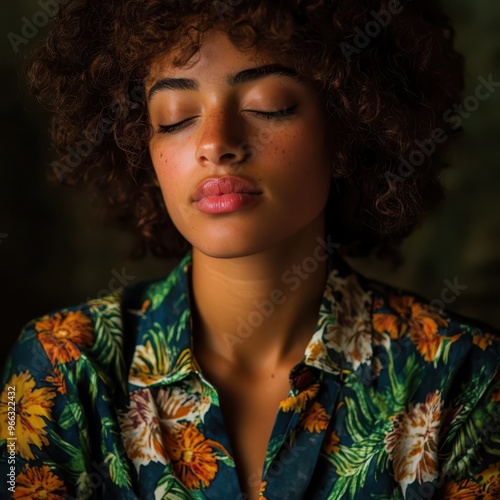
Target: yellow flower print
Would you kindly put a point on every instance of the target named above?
(193, 456)
(298, 403)
(32, 408)
(62, 335)
(148, 366)
(39, 482)
(316, 419)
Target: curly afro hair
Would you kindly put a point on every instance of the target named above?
(387, 70)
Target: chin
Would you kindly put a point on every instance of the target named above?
(226, 251)
(229, 247)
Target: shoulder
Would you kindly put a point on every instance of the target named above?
(433, 351)
(94, 334)
(429, 326)
(445, 368)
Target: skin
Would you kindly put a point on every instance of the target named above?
(240, 257)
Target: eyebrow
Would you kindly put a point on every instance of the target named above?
(247, 75)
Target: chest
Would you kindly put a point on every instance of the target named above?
(249, 411)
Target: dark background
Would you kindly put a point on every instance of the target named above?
(54, 253)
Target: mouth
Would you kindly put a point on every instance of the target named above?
(218, 195)
(221, 186)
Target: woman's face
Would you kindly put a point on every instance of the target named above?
(285, 158)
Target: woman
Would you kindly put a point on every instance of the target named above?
(260, 143)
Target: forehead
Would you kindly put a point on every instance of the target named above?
(217, 54)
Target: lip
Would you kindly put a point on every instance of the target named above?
(224, 194)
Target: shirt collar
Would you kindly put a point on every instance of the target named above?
(341, 343)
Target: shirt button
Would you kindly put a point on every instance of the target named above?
(304, 379)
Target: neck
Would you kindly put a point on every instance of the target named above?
(259, 311)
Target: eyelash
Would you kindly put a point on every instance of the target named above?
(279, 115)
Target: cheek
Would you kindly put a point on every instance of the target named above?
(301, 161)
(166, 168)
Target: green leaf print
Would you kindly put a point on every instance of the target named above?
(72, 413)
(395, 495)
(170, 488)
(353, 462)
(367, 424)
(466, 403)
(475, 431)
(273, 448)
(181, 325)
(117, 470)
(76, 463)
(158, 291)
(111, 299)
(109, 340)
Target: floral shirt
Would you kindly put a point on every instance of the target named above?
(393, 399)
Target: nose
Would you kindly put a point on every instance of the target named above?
(222, 139)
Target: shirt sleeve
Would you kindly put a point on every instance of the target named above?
(44, 445)
(472, 468)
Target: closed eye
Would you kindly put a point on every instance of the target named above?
(166, 129)
(280, 115)
(276, 114)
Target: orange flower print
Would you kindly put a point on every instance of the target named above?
(33, 410)
(389, 323)
(484, 340)
(461, 490)
(485, 485)
(262, 490)
(490, 481)
(316, 419)
(330, 445)
(419, 320)
(141, 429)
(424, 331)
(63, 334)
(412, 444)
(193, 456)
(495, 397)
(55, 378)
(298, 403)
(39, 482)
